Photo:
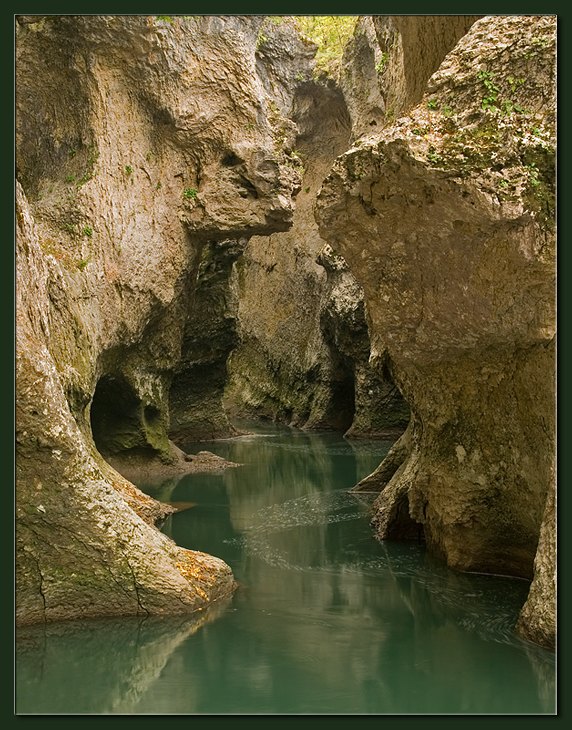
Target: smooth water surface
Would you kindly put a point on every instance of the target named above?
(326, 619)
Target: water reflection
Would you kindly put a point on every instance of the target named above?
(100, 665)
(326, 620)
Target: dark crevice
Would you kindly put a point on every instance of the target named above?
(135, 585)
(41, 588)
(231, 160)
(343, 403)
(116, 418)
(403, 526)
(248, 188)
(152, 415)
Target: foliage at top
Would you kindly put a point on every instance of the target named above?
(329, 32)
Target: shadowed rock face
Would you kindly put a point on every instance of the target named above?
(303, 354)
(446, 219)
(210, 335)
(414, 47)
(537, 621)
(145, 154)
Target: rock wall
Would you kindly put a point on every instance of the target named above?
(388, 62)
(146, 156)
(210, 335)
(303, 356)
(377, 407)
(446, 218)
(149, 152)
(537, 621)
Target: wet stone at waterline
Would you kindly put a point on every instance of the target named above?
(326, 619)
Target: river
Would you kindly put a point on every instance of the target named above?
(325, 620)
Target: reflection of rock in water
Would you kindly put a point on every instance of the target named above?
(484, 605)
(543, 669)
(135, 651)
(162, 489)
(304, 463)
(325, 611)
(453, 617)
(295, 473)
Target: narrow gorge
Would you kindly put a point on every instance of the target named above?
(218, 223)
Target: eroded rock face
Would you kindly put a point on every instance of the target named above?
(210, 335)
(149, 152)
(360, 79)
(388, 62)
(283, 368)
(81, 549)
(412, 48)
(378, 408)
(303, 356)
(145, 151)
(446, 219)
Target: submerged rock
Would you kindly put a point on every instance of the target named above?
(446, 219)
(141, 469)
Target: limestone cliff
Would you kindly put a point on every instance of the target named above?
(303, 355)
(446, 218)
(389, 60)
(157, 160)
(146, 157)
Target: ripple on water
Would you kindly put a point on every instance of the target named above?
(322, 508)
(467, 596)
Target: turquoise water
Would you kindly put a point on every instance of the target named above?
(326, 619)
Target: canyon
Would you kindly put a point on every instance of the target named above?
(209, 228)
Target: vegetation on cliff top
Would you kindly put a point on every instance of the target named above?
(329, 32)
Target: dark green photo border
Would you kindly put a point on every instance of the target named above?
(314, 7)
